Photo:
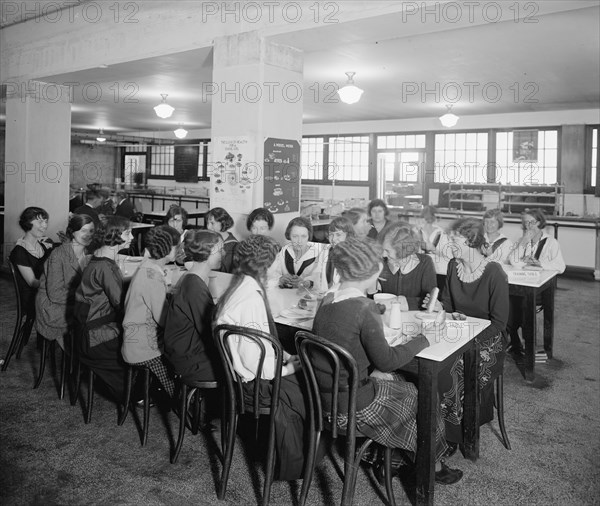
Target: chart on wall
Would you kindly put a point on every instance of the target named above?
(282, 175)
(233, 173)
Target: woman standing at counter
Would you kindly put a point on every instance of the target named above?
(378, 212)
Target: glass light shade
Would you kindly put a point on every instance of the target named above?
(449, 120)
(350, 94)
(180, 133)
(164, 110)
(101, 139)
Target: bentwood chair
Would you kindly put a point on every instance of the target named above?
(23, 324)
(193, 394)
(236, 405)
(46, 347)
(311, 347)
(499, 401)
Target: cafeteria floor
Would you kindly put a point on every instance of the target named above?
(50, 457)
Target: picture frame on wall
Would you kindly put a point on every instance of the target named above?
(525, 146)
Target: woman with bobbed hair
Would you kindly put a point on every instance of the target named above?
(188, 341)
(498, 246)
(62, 274)
(406, 272)
(360, 220)
(245, 304)
(378, 213)
(386, 403)
(477, 287)
(340, 229)
(146, 307)
(218, 220)
(99, 306)
(28, 256)
(431, 234)
(177, 217)
(301, 260)
(260, 221)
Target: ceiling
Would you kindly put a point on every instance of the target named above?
(548, 60)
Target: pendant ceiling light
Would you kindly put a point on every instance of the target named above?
(164, 110)
(101, 137)
(449, 120)
(350, 94)
(181, 132)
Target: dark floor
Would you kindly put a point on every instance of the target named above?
(50, 457)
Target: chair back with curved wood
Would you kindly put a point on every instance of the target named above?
(339, 367)
(236, 403)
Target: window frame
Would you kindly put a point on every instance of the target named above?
(588, 188)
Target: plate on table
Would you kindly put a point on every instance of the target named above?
(134, 260)
(294, 313)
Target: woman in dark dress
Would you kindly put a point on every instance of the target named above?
(28, 256)
(188, 341)
(405, 271)
(218, 220)
(378, 216)
(476, 287)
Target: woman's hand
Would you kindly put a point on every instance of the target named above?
(387, 376)
(437, 307)
(289, 281)
(291, 366)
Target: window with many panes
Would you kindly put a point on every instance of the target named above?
(311, 158)
(461, 157)
(416, 141)
(348, 158)
(163, 158)
(594, 159)
(527, 157)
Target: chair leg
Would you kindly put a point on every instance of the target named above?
(310, 464)
(43, 354)
(388, 477)
(90, 401)
(63, 372)
(500, 409)
(26, 332)
(125, 407)
(182, 416)
(231, 429)
(76, 383)
(146, 406)
(195, 396)
(14, 342)
(270, 467)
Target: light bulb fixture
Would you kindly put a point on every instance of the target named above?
(350, 94)
(164, 110)
(449, 120)
(181, 132)
(101, 137)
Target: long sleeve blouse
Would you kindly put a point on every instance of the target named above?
(498, 249)
(310, 266)
(351, 320)
(550, 256)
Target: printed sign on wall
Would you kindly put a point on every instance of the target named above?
(233, 173)
(282, 175)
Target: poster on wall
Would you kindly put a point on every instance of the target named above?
(282, 175)
(525, 146)
(233, 173)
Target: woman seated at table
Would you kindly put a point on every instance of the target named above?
(301, 260)
(245, 304)
(431, 234)
(218, 220)
(340, 229)
(177, 217)
(535, 250)
(260, 221)
(146, 308)
(62, 275)
(378, 213)
(497, 246)
(405, 271)
(477, 287)
(188, 341)
(99, 307)
(28, 257)
(360, 221)
(386, 403)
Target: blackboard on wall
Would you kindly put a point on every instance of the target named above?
(186, 163)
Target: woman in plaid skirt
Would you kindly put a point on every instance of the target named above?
(386, 403)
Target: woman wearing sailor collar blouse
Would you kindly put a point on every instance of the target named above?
(498, 246)
(301, 260)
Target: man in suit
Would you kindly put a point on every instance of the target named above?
(92, 201)
(124, 206)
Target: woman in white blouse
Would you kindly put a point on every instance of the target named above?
(497, 246)
(301, 260)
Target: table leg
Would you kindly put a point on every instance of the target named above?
(548, 305)
(426, 415)
(529, 332)
(471, 403)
